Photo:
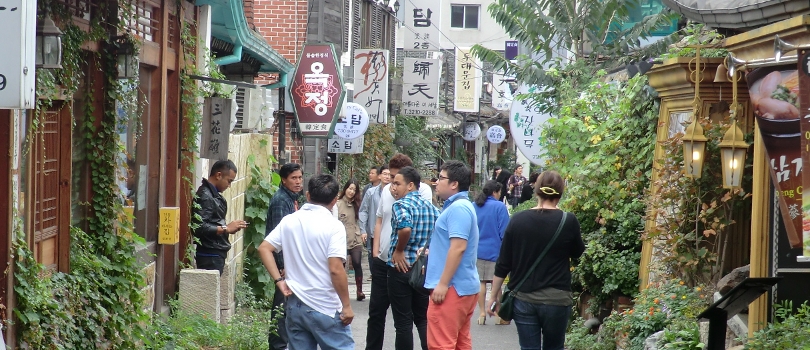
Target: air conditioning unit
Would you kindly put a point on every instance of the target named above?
(255, 109)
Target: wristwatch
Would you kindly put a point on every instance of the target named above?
(224, 228)
(277, 280)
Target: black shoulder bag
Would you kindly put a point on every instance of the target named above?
(507, 310)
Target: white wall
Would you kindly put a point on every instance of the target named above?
(489, 33)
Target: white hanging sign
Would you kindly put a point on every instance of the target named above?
(526, 123)
(422, 23)
(215, 128)
(501, 93)
(17, 65)
(355, 122)
(468, 82)
(420, 87)
(371, 83)
(496, 134)
(346, 146)
(471, 131)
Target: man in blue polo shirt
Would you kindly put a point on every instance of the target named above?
(451, 271)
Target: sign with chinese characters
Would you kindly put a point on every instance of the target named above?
(422, 23)
(341, 145)
(355, 122)
(17, 65)
(317, 90)
(525, 124)
(420, 87)
(215, 128)
(496, 134)
(468, 82)
(470, 131)
(510, 49)
(371, 83)
(169, 231)
(501, 92)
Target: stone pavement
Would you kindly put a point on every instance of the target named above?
(486, 337)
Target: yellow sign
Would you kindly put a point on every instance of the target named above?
(169, 225)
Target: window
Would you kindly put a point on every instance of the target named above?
(464, 16)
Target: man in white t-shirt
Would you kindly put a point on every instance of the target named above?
(379, 301)
(318, 311)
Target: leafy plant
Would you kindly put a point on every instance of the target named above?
(789, 331)
(263, 185)
(681, 334)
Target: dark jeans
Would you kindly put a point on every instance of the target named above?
(377, 305)
(541, 326)
(210, 263)
(369, 245)
(409, 307)
(278, 341)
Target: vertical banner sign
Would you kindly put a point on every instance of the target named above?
(17, 65)
(215, 128)
(422, 23)
(371, 83)
(525, 124)
(169, 225)
(345, 146)
(317, 90)
(775, 99)
(420, 87)
(501, 92)
(511, 49)
(468, 82)
(804, 104)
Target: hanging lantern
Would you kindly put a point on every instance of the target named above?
(732, 153)
(127, 59)
(49, 45)
(694, 149)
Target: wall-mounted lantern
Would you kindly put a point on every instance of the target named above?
(49, 45)
(127, 60)
(694, 149)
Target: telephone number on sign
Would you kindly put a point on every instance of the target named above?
(420, 111)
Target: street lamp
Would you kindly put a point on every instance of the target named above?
(49, 45)
(694, 149)
(396, 6)
(732, 153)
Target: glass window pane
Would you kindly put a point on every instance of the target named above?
(457, 16)
(471, 17)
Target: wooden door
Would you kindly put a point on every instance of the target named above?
(49, 187)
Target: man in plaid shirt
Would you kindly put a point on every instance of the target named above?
(412, 221)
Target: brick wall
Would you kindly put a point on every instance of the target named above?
(294, 146)
(279, 21)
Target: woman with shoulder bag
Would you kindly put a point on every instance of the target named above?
(536, 252)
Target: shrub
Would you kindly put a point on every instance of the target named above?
(790, 329)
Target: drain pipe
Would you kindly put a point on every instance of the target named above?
(236, 56)
(282, 82)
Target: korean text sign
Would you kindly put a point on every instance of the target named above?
(346, 146)
(525, 125)
(501, 92)
(420, 87)
(468, 82)
(371, 83)
(317, 90)
(17, 65)
(422, 23)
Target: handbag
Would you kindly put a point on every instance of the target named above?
(507, 310)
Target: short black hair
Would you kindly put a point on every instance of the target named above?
(382, 167)
(221, 166)
(375, 168)
(288, 169)
(411, 175)
(323, 189)
(457, 172)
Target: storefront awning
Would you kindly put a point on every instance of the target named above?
(228, 23)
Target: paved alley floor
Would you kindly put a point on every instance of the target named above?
(486, 337)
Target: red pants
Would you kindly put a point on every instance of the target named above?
(449, 322)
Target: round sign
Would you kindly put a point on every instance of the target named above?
(471, 131)
(496, 134)
(525, 125)
(355, 122)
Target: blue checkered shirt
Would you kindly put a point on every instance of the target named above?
(420, 215)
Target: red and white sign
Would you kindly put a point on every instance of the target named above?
(317, 90)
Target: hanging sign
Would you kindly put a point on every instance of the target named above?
(346, 146)
(501, 92)
(420, 87)
(317, 90)
(17, 78)
(355, 122)
(470, 131)
(371, 83)
(496, 134)
(169, 230)
(510, 49)
(216, 124)
(422, 23)
(525, 124)
(468, 82)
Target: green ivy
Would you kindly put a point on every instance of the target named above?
(263, 185)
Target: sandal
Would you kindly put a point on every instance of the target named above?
(501, 322)
(482, 320)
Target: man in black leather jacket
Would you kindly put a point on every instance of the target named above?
(210, 209)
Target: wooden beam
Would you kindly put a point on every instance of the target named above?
(760, 228)
(6, 219)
